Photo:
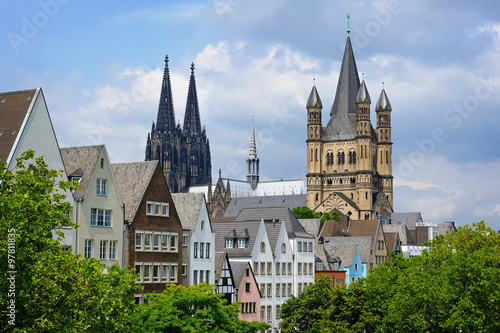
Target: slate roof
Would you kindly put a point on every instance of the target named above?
(222, 229)
(133, 180)
(84, 158)
(383, 102)
(273, 232)
(188, 206)
(402, 231)
(14, 107)
(391, 240)
(344, 248)
(294, 228)
(219, 259)
(363, 96)
(238, 268)
(352, 228)
(409, 219)
(312, 226)
(314, 101)
(290, 201)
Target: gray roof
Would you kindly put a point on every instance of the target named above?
(290, 201)
(294, 228)
(446, 227)
(344, 248)
(188, 206)
(220, 258)
(84, 158)
(222, 229)
(409, 219)
(363, 96)
(400, 229)
(133, 180)
(273, 232)
(314, 101)
(238, 269)
(383, 102)
(312, 226)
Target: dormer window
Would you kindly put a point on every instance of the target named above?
(229, 243)
(319, 266)
(242, 243)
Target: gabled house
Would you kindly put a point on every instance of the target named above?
(224, 279)
(153, 229)
(26, 124)
(98, 208)
(248, 292)
(198, 238)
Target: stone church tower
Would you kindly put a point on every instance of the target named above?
(349, 163)
(184, 154)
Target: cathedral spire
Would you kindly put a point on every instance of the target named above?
(165, 120)
(253, 161)
(192, 123)
(348, 84)
(253, 146)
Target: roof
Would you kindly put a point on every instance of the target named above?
(14, 107)
(312, 226)
(401, 229)
(84, 158)
(383, 102)
(220, 258)
(314, 101)
(238, 268)
(409, 219)
(188, 206)
(294, 228)
(133, 180)
(222, 229)
(352, 228)
(344, 248)
(391, 239)
(363, 96)
(290, 201)
(273, 233)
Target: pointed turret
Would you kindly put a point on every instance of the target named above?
(314, 107)
(363, 96)
(165, 120)
(384, 164)
(383, 102)
(314, 101)
(363, 101)
(252, 162)
(192, 123)
(348, 84)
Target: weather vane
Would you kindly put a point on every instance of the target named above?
(348, 29)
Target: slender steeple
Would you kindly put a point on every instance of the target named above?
(348, 84)
(165, 120)
(253, 161)
(192, 123)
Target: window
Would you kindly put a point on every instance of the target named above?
(340, 157)
(262, 247)
(269, 268)
(149, 208)
(156, 242)
(202, 225)
(263, 289)
(299, 268)
(262, 268)
(184, 270)
(100, 218)
(87, 251)
(269, 314)
(269, 290)
(304, 268)
(195, 250)
(201, 276)
(319, 266)
(299, 289)
(278, 311)
(173, 273)
(207, 246)
(283, 268)
(341, 281)
(262, 314)
(164, 242)
(173, 242)
(195, 277)
(147, 241)
(157, 208)
(202, 250)
(229, 243)
(101, 186)
(299, 246)
(278, 290)
(256, 268)
(241, 243)
(356, 267)
(283, 290)
(289, 268)
(247, 287)
(310, 268)
(138, 271)
(112, 250)
(102, 163)
(103, 248)
(156, 273)
(184, 240)
(147, 273)
(309, 247)
(164, 273)
(278, 268)
(164, 210)
(289, 289)
(283, 248)
(207, 276)
(138, 240)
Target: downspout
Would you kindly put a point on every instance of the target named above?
(275, 293)
(76, 228)
(125, 223)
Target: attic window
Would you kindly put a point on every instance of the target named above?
(102, 163)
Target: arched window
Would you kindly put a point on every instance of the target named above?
(340, 157)
(283, 248)
(262, 247)
(202, 225)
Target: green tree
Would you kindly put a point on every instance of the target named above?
(304, 212)
(44, 288)
(193, 309)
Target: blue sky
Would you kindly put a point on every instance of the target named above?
(99, 64)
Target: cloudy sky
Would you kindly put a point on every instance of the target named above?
(100, 65)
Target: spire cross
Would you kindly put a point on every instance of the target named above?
(348, 28)
(382, 84)
(314, 82)
(192, 68)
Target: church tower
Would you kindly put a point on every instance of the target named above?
(184, 154)
(253, 162)
(349, 164)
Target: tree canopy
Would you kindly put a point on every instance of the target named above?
(451, 287)
(304, 212)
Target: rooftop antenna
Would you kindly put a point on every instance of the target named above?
(348, 28)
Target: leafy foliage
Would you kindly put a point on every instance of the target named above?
(52, 289)
(304, 212)
(193, 309)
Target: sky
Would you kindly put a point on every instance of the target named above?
(100, 65)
